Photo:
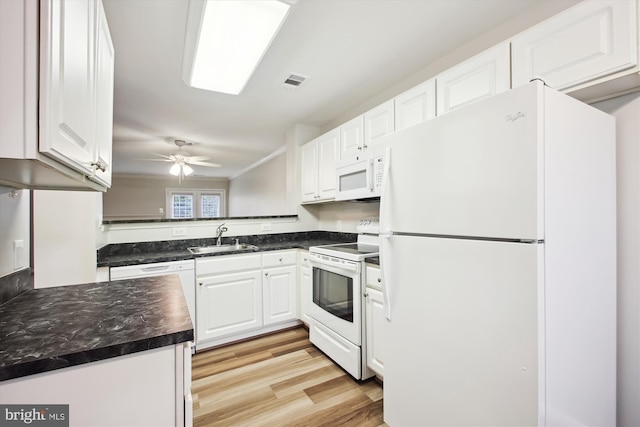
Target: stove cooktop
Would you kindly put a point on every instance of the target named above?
(350, 251)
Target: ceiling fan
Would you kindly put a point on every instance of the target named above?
(181, 161)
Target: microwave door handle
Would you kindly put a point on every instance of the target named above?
(371, 174)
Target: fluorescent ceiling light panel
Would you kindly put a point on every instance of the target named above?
(232, 39)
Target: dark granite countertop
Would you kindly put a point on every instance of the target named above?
(46, 329)
(176, 250)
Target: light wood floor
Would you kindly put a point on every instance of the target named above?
(279, 380)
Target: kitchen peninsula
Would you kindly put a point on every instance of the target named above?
(83, 344)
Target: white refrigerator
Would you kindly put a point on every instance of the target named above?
(498, 256)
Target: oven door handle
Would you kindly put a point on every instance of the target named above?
(322, 262)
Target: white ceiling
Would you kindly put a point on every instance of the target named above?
(350, 49)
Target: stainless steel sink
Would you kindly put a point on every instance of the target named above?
(199, 250)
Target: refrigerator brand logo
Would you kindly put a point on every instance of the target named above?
(513, 117)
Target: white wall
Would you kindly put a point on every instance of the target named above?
(14, 225)
(64, 237)
(626, 110)
(142, 197)
(261, 190)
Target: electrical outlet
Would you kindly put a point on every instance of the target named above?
(179, 232)
(265, 226)
(161, 211)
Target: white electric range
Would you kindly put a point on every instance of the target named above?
(337, 309)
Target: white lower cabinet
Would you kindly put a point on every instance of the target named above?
(240, 296)
(148, 388)
(229, 303)
(374, 320)
(306, 293)
(228, 295)
(279, 287)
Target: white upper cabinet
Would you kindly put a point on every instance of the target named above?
(352, 139)
(416, 105)
(361, 133)
(67, 82)
(57, 120)
(378, 122)
(475, 79)
(309, 171)
(318, 168)
(327, 155)
(590, 40)
(105, 60)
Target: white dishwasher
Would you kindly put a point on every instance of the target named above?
(186, 270)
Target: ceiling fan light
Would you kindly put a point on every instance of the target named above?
(187, 170)
(175, 169)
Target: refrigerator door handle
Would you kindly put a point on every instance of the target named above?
(385, 270)
(384, 195)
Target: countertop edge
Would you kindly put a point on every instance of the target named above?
(26, 369)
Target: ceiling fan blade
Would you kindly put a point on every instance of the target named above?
(166, 157)
(197, 158)
(210, 165)
(157, 160)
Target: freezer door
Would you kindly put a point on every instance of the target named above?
(472, 172)
(463, 336)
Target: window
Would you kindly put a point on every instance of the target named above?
(195, 203)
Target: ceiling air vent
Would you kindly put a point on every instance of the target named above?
(294, 81)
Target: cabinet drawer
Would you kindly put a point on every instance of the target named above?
(303, 258)
(373, 277)
(226, 263)
(277, 259)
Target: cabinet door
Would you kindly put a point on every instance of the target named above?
(280, 294)
(589, 40)
(416, 105)
(305, 288)
(378, 122)
(228, 303)
(375, 321)
(327, 154)
(309, 171)
(476, 79)
(104, 98)
(351, 139)
(67, 86)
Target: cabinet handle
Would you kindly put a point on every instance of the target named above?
(365, 146)
(379, 279)
(366, 295)
(359, 148)
(200, 283)
(280, 259)
(266, 274)
(99, 166)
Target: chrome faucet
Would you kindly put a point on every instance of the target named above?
(221, 229)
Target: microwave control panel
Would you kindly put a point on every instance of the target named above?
(378, 172)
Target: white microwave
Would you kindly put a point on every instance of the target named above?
(359, 179)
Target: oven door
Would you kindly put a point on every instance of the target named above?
(337, 295)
